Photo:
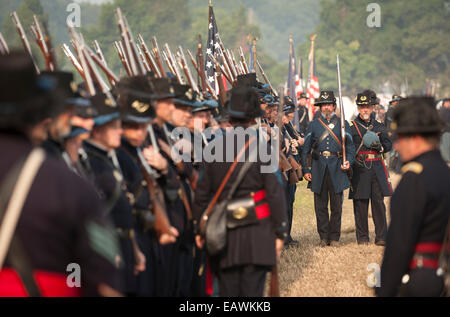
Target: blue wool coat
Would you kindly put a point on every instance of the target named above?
(339, 178)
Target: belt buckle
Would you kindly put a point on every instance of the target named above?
(371, 156)
(326, 153)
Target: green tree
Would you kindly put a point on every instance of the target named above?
(408, 52)
(25, 13)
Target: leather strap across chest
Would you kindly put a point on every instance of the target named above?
(331, 131)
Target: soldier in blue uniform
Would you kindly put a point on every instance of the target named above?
(61, 221)
(109, 180)
(420, 205)
(328, 175)
(370, 178)
(394, 160)
(303, 116)
(291, 150)
(179, 254)
(257, 235)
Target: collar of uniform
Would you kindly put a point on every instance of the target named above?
(426, 155)
(92, 145)
(364, 122)
(124, 144)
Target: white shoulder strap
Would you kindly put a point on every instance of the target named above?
(18, 197)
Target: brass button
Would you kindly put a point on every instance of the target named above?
(240, 213)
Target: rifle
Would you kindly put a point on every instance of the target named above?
(73, 59)
(274, 286)
(341, 108)
(244, 63)
(148, 56)
(128, 54)
(218, 66)
(161, 224)
(122, 57)
(112, 78)
(236, 65)
(201, 65)
(24, 39)
(232, 63)
(172, 60)
(84, 66)
(99, 52)
(199, 73)
(187, 71)
(284, 163)
(158, 57)
(225, 60)
(265, 77)
(169, 64)
(143, 59)
(3, 46)
(42, 43)
(51, 50)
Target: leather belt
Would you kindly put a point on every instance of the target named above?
(368, 156)
(125, 233)
(426, 255)
(328, 154)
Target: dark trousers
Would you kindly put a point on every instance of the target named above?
(361, 210)
(328, 226)
(242, 281)
(291, 198)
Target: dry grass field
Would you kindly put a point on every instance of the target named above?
(309, 270)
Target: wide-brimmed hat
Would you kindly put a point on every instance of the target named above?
(106, 110)
(395, 98)
(244, 103)
(163, 88)
(134, 99)
(416, 115)
(325, 97)
(289, 106)
(25, 97)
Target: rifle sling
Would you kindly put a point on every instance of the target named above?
(324, 135)
(331, 131)
(213, 202)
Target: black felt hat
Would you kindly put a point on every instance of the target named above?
(244, 103)
(363, 99)
(247, 80)
(134, 99)
(325, 97)
(163, 88)
(25, 97)
(289, 106)
(416, 115)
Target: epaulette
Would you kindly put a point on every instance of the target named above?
(414, 167)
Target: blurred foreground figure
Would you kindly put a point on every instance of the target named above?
(256, 219)
(60, 230)
(420, 206)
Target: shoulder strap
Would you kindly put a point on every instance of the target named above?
(303, 116)
(244, 169)
(224, 182)
(331, 131)
(357, 129)
(12, 198)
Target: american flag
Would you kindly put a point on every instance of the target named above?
(291, 81)
(211, 48)
(299, 80)
(313, 90)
